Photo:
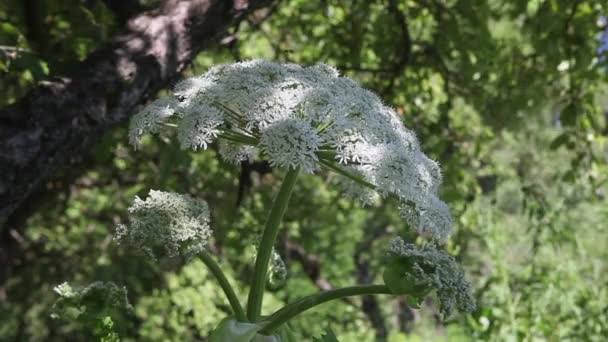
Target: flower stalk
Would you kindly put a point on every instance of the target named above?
(271, 230)
(337, 169)
(219, 275)
(292, 310)
(238, 138)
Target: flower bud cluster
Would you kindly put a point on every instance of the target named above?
(97, 298)
(416, 271)
(166, 224)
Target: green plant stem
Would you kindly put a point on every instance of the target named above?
(291, 310)
(326, 154)
(242, 135)
(217, 272)
(271, 230)
(238, 139)
(332, 166)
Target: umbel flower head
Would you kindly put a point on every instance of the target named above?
(96, 299)
(416, 271)
(166, 224)
(304, 118)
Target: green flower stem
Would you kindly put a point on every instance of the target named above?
(217, 272)
(233, 113)
(326, 154)
(242, 135)
(292, 310)
(337, 169)
(325, 126)
(239, 139)
(271, 230)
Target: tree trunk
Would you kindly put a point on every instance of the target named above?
(58, 121)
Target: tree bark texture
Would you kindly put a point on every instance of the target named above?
(58, 121)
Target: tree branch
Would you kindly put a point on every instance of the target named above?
(370, 306)
(310, 263)
(54, 125)
(404, 49)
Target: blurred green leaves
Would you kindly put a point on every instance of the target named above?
(483, 90)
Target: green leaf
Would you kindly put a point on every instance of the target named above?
(560, 140)
(414, 302)
(9, 33)
(37, 67)
(231, 330)
(328, 336)
(285, 334)
(569, 114)
(264, 338)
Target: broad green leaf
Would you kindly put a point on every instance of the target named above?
(231, 330)
(560, 140)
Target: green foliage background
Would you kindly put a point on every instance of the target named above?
(509, 96)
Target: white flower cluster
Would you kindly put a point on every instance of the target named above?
(94, 299)
(234, 153)
(305, 117)
(277, 271)
(292, 144)
(166, 224)
(150, 119)
(427, 268)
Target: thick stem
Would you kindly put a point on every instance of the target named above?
(291, 310)
(271, 230)
(217, 272)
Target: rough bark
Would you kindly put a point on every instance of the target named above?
(370, 305)
(58, 121)
(310, 263)
(124, 9)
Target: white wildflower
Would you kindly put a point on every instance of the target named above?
(291, 143)
(234, 153)
(432, 219)
(64, 290)
(200, 126)
(150, 119)
(364, 195)
(434, 177)
(277, 271)
(305, 117)
(351, 189)
(92, 301)
(166, 224)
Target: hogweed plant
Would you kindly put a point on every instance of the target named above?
(302, 120)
